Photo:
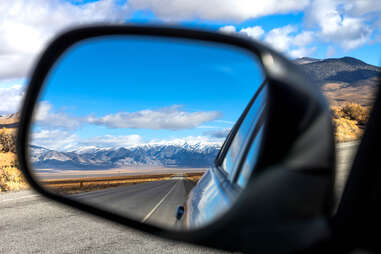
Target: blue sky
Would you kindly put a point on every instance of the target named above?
(297, 28)
(314, 28)
(144, 90)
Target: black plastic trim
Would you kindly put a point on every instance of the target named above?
(285, 76)
(262, 121)
(58, 46)
(225, 147)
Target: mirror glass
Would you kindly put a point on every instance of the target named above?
(130, 124)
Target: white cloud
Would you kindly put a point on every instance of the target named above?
(220, 133)
(54, 139)
(301, 52)
(337, 25)
(112, 141)
(357, 8)
(330, 51)
(303, 39)
(254, 32)
(45, 116)
(231, 10)
(61, 140)
(171, 118)
(225, 122)
(10, 98)
(280, 38)
(348, 23)
(228, 29)
(26, 26)
(191, 140)
(286, 40)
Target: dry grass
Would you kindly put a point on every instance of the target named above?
(11, 178)
(362, 92)
(7, 140)
(349, 121)
(194, 177)
(75, 188)
(77, 185)
(86, 184)
(346, 130)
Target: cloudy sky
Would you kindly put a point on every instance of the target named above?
(314, 28)
(118, 91)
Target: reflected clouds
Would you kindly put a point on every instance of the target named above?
(167, 118)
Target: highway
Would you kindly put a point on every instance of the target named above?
(152, 202)
(30, 223)
(344, 157)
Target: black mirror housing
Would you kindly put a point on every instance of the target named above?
(288, 201)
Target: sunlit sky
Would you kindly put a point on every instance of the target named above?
(144, 90)
(297, 28)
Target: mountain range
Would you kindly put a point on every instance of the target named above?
(184, 155)
(9, 120)
(344, 79)
(341, 80)
(346, 69)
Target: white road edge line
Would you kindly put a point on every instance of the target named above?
(11, 199)
(158, 204)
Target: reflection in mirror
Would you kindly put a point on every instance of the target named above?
(130, 124)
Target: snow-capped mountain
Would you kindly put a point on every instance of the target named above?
(180, 155)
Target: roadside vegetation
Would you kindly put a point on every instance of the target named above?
(349, 121)
(10, 176)
(87, 184)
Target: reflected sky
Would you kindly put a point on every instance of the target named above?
(233, 156)
(121, 91)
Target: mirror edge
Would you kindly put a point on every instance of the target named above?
(62, 42)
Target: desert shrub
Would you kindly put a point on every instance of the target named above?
(349, 120)
(346, 130)
(354, 111)
(11, 177)
(7, 141)
(337, 112)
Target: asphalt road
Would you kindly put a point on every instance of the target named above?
(153, 202)
(344, 157)
(31, 224)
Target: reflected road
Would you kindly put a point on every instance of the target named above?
(152, 202)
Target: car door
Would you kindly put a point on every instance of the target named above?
(219, 187)
(272, 179)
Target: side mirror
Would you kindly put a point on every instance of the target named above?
(191, 135)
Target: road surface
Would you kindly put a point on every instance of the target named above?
(152, 202)
(31, 224)
(344, 157)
